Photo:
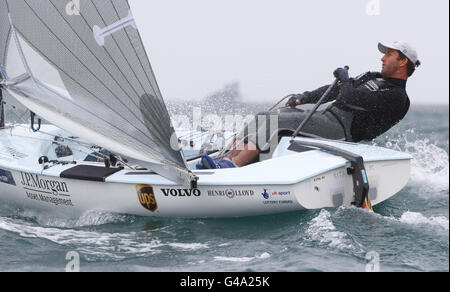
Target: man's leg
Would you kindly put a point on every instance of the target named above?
(258, 132)
(321, 124)
(243, 157)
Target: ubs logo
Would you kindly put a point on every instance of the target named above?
(147, 197)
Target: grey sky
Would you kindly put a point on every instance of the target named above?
(274, 48)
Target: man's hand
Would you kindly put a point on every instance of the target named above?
(341, 74)
(295, 100)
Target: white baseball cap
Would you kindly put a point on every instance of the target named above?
(403, 47)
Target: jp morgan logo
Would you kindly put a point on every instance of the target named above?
(147, 197)
(231, 193)
(182, 192)
(33, 182)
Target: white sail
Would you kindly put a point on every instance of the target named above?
(84, 68)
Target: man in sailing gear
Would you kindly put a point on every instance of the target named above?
(363, 108)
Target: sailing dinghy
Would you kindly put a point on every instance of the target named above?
(81, 65)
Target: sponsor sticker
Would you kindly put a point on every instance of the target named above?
(147, 197)
(231, 193)
(6, 177)
(46, 190)
(34, 182)
(272, 197)
(181, 192)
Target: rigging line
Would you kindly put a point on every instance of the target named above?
(7, 6)
(92, 75)
(21, 118)
(93, 154)
(83, 144)
(195, 136)
(73, 144)
(79, 143)
(145, 135)
(191, 136)
(164, 111)
(161, 136)
(6, 46)
(158, 92)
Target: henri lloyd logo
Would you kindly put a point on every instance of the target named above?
(33, 182)
(231, 193)
(182, 192)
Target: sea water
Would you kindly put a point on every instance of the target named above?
(409, 232)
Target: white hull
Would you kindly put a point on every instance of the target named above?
(288, 182)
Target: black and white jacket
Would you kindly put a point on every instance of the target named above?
(377, 103)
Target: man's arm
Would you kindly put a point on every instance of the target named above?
(314, 96)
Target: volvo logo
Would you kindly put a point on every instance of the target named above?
(181, 192)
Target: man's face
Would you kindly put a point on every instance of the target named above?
(391, 63)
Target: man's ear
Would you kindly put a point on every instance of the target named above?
(403, 62)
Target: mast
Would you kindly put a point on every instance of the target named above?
(2, 110)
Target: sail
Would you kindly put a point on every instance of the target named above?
(81, 65)
(4, 32)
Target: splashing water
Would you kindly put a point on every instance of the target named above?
(415, 218)
(322, 230)
(430, 162)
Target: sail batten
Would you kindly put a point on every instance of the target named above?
(91, 62)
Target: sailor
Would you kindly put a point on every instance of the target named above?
(362, 108)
